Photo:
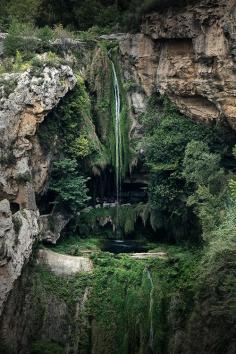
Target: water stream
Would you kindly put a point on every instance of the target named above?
(151, 330)
(118, 162)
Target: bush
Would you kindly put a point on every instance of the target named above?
(81, 147)
(21, 37)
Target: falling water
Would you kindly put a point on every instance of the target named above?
(151, 331)
(117, 141)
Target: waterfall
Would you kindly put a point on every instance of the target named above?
(118, 146)
(151, 330)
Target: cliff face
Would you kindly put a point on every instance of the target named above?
(25, 100)
(188, 54)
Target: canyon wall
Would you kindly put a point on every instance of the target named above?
(189, 54)
(25, 99)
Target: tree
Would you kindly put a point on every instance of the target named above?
(202, 169)
(70, 188)
(24, 10)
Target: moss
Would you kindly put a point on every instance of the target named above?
(71, 123)
(102, 81)
(23, 178)
(124, 117)
(89, 220)
(121, 297)
(46, 348)
(8, 159)
(75, 246)
(117, 311)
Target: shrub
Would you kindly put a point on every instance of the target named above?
(24, 178)
(81, 147)
(21, 37)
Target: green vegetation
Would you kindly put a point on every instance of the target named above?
(102, 83)
(192, 193)
(112, 14)
(232, 182)
(46, 348)
(6, 349)
(70, 188)
(184, 158)
(75, 246)
(72, 124)
(93, 219)
(118, 306)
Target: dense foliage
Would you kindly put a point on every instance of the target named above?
(115, 14)
(70, 188)
(185, 160)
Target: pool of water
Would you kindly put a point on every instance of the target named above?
(124, 246)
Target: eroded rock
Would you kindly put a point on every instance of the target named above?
(62, 264)
(25, 100)
(17, 236)
(22, 110)
(196, 67)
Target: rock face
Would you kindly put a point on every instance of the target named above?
(25, 100)
(44, 315)
(22, 109)
(17, 235)
(189, 54)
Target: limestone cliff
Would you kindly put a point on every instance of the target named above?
(25, 100)
(187, 53)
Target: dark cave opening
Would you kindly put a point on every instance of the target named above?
(46, 202)
(15, 207)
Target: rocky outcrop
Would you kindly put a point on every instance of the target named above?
(17, 235)
(52, 224)
(25, 100)
(138, 60)
(38, 313)
(61, 264)
(189, 54)
(22, 109)
(196, 68)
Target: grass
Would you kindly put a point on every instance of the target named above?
(74, 246)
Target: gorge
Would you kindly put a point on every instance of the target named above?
(117, 177)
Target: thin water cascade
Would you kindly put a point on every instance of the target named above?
(118, 162)
(151, 302)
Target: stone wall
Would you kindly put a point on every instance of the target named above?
(188, 54)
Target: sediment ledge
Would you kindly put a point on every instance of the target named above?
(160, 255)
(61, 264)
